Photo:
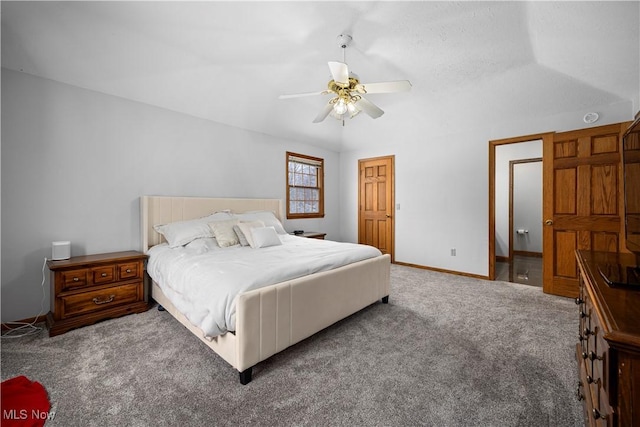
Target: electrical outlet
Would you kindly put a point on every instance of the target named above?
(453, 251)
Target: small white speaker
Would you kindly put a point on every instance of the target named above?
(60, 250)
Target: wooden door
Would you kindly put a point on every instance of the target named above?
(582, 204)
(376, 203)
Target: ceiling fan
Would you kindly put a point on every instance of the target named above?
(347, 91)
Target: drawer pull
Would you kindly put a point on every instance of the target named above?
(104, 274)
(583, 314)
(598, 416)
(75, 279)
(588, 332)
(97, 301)
(579, 301)
(593, 356)
(590, 380)
(128, 270)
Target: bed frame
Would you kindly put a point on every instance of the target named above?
(269, 319)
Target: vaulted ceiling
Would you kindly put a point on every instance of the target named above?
(229, 61)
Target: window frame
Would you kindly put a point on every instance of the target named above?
(313, 161)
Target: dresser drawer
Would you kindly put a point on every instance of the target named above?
(132, 270)
(103, 299)
(104, 274)
(72, 279)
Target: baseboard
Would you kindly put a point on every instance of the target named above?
(31, 320)
(442, 270)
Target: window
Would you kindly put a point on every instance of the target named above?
(305, 182)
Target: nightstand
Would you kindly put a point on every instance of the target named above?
(312, 235)
(90, 288)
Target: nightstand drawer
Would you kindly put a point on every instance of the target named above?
(132, 270)
(74, 278)
(102, 275)
(87, 302)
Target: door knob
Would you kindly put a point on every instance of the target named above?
(388, 216)
(548, 222)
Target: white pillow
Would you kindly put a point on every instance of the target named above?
(246, 227)
(223, 232)
(180, 233)
(268, 217)
(264, 237)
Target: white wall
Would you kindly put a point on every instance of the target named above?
(442, 184)
(75, 162)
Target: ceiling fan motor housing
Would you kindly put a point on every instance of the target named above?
(344, 40)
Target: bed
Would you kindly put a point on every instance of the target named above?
(271, 318)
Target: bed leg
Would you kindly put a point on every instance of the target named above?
(245, 376)
(385, 300)
(161, 308)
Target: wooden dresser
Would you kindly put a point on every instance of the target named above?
(608, 350)
(87, 289)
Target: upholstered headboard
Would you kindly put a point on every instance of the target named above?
(165, 209)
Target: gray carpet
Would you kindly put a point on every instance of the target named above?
(446, 351)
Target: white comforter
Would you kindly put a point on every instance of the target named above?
(202, 280)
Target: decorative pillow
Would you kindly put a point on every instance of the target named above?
(268, 217)
(264, 237)
(223, 232)
(180, 233)
(246, 227)
(241, 237)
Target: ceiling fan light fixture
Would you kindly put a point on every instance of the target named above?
(346, 88)
(340, 107)
(352, 109)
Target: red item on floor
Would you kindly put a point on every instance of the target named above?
(24, 403)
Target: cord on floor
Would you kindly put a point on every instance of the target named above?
(23, 329)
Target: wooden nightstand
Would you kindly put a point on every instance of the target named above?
(87, 289)
(313, 235)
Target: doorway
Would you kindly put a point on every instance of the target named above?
(525, 207)
(524, 261)
(523, 269)
(376, 203)
(581, 203)
(515, 239)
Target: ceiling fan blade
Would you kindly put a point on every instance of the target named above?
(369, 107)
(324, 113)
(339, 72)
(300, 95)
(384, 87)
